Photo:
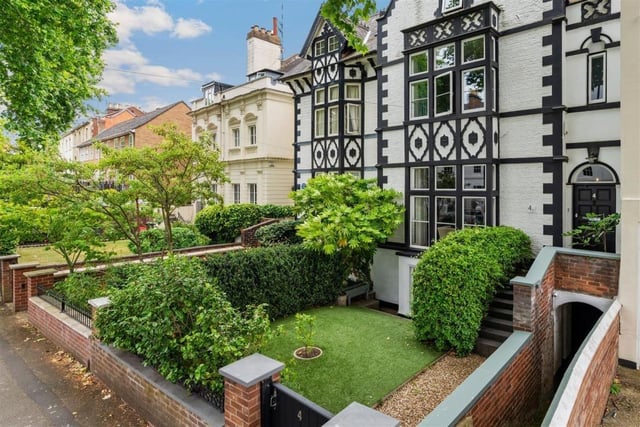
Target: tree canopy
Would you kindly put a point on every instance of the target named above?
(346, 14)
(347, 214)
(50, 63)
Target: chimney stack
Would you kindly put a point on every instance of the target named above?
(264, 49)
(275, 26)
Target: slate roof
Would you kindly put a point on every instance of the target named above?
(302, 65)
(126, 127)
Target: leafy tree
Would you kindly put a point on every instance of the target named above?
(342, 213)
(170, 175)
(593, 232)
(345, 16)
(50, 62)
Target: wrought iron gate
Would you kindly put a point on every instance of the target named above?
(283, 407)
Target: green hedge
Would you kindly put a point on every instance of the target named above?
(281, 233)
(288, 278)
(222, 224)
(181, 324)
(456, 279)
(153, 240)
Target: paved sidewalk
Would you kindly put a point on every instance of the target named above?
(42, 386)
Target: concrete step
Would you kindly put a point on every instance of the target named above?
(495, 334)
(498, 323)
(502, 313)
(485, 347)
(502, 303)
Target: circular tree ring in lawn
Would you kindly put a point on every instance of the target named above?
(307, 353)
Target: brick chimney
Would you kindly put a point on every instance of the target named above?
(264, 49)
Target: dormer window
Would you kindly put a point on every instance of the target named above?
(334, 44)
(450, 5)
(320, 47)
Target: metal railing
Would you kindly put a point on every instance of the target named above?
(61, 303)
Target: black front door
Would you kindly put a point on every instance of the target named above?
(599, 199)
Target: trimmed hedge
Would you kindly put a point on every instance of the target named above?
(288, 278)
(222, 224)
(456, 279)
(280, 233)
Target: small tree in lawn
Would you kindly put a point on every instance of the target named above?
(342, 213)
(170, 175)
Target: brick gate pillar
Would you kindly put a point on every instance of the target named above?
(6, 277)
(20, 291)
(242, 380)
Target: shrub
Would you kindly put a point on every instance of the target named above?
(181, 324)
(79, 288)
(279, 233)
(154, 240)
(222, 224)
(8, 241)
(288, 278)
(455, 280)
(276, 211)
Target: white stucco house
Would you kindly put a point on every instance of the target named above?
(252, 125)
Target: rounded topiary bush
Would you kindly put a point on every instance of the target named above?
(276, 211)
(455, 280)
(222, 224)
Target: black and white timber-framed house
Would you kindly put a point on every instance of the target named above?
(335, 103)
(501, 112)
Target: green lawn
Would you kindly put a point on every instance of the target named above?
(367, 355)
(46, 257)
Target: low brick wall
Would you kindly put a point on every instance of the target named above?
(587, 274)
(160, 402)
(20, 291)
(582, 396)
(61, 329)
(503, 390)
(6, 277)
(248, 235)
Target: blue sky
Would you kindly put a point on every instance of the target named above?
(169, 48)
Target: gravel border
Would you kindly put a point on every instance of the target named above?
(415, 399)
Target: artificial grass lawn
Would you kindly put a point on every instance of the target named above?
(45, 257)
(366, 355)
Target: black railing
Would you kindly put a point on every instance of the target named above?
(216, 399)
(59, 301)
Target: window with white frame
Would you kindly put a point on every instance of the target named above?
(418, 63)
(352, 118)
(443, 94)
(445, 178)
(319, 123)
(236, 193)
(474, 211)
(419, 94)
(253, 193)
(319, 98)
(333, 120)
(445, 56)
(473, 49)
(334, 43)
(253, 136)
(474, 177)
(334, 93)
(597, 77)
(131, 140)
(420, 178)
(420, 221)
(352, 91)
(320, 47)
(449, 5)
(473, 89)
(236, 137)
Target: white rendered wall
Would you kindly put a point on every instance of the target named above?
(385, 275)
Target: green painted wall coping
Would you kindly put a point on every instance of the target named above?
(545, 258)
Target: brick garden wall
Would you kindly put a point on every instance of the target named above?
(61, 329)
(158, 401)
(513, 394)
(594, 390)
(587, 275)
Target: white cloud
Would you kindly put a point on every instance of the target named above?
(190, 28)
(152, 19)
(124, 68)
